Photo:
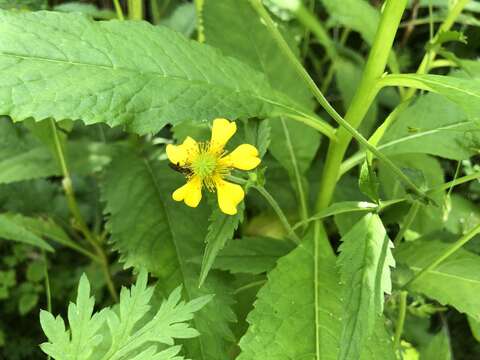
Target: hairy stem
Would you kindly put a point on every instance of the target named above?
(445, 255)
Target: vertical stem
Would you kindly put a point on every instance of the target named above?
(363, 98)
(200, 29)
(119, 10)
(402, 311)
(75, 210)
(135, 9)
(446, 254)
(412, 213)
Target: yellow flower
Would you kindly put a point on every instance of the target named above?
(206, 164)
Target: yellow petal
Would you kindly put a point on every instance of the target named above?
(222, 131)
(229, 196)
(182, 154)
(244, 157)
(190, 193)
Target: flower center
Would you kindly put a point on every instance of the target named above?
(204, 165)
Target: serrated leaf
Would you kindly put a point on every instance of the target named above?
(298, 312)
(86, 340)
(254, 255)
(220, 230)
(82, 69)
(455, 282)
(289, 319)
(13, 227)
(150, 230)
(364, 262)
(78, 342)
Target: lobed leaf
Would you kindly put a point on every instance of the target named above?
(127, 336)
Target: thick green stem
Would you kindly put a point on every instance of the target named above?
(135, 9)
(363, 98)
(446, 254)
(402, 311)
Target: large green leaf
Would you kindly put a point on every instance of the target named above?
(150, 230)
(365, 260)
(454, 282)
(298, 313)
(432, 125)
(66, 66)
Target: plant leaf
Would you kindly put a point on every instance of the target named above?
(15, 227)
(454, 282)
(290, 321)
(465, 92)
(432, 125)
(220, 230)
(82, 69)
(365, 260)
(150, 230)
(346, 13)
(254, 255)
(85, 339)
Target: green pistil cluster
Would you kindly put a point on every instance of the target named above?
(204, 165)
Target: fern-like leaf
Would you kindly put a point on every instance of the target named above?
(85, 339)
